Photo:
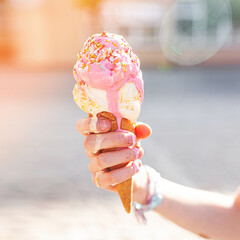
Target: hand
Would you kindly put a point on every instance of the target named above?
(130, 152)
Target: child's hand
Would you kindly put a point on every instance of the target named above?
(130, 151)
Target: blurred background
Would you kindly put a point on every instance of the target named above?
(190, 58)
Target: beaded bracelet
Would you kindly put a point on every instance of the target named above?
(154, 198)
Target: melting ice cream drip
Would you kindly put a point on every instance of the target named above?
(106, 63)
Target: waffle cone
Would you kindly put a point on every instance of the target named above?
(124, 189)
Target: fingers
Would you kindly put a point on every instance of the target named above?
(100, 163)
(108, 159)
(142, 130)
(96, 142)
(126, 153)
(88, 125)
(108, 180)
(105, 160)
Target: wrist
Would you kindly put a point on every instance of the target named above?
(140, 186)
(153, 196)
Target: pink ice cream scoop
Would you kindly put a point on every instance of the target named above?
(108, 77)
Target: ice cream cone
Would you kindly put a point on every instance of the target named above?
(124, 189)
(109, 80)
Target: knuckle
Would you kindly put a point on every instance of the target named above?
(100, 161)
(77, 125)
(88, 154)
(87, 142)
(90, 168)
(93, 179)
(99, 179)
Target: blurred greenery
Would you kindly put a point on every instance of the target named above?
(217, 14)
(235, 4)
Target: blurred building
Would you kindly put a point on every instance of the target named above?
(139, 22)
(40, 32)
(50, 33)
(199, 25)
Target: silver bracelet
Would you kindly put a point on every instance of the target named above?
(154, 195)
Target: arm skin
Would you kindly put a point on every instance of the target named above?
(208, 214)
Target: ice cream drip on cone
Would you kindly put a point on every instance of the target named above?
(109, 84)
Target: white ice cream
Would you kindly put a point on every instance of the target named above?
(129, 105)
(94, 100)
(90, 100)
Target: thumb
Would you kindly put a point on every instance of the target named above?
(142, 130)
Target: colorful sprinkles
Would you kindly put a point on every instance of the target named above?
(97, 51)
(114, 44)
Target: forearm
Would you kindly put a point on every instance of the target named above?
(205, 213)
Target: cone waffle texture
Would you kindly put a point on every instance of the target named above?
(125, 189)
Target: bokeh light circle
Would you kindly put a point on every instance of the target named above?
(193, 31)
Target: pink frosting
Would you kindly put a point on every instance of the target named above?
(107, 62)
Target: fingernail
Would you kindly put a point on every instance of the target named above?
(104, 124)
(140, 154)
(139, 164)
(131, 139)
(136, 151)
(136, 166)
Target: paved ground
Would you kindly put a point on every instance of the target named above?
(45, 187)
